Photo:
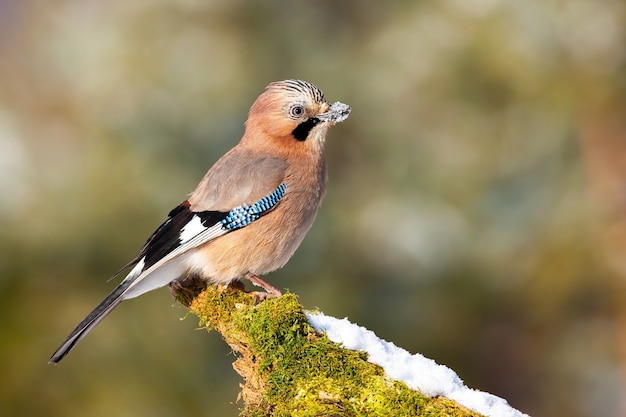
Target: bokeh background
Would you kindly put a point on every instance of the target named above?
(476, 210)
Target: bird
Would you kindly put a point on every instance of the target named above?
(251, 210)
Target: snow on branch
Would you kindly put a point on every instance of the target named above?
(309, 364)
(418, 372)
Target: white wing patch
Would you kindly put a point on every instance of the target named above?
(192, 235)
(191, 229)
(201, 238)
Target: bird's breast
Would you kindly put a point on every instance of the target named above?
(262, 246)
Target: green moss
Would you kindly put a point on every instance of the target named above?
(290, 370)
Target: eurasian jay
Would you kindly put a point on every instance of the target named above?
(251, 210)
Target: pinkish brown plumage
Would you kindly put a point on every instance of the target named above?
(251, 210)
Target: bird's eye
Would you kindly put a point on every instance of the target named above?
(296, 111)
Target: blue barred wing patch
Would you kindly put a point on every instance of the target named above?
(185, 229)
(244, 214)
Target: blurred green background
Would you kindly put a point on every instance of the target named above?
(476, 210)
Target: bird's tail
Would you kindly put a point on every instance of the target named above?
(100, 312)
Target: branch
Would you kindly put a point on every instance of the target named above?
(290, 369)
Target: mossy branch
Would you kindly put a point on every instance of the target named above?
(291, 370)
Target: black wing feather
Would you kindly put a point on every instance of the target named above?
(166, 238)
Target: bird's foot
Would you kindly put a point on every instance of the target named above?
(270, 291)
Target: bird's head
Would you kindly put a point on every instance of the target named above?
(293, 112)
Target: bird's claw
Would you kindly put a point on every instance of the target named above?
(270, 291)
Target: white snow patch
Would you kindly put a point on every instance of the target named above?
(191, 229)
(418, 372)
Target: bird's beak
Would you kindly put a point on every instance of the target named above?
(336, 113)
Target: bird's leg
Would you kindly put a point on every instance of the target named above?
(272, 292)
